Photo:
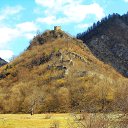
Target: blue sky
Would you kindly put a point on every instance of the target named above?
(20, 20)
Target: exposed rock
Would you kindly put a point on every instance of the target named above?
(71, 62)
(66, 71)
(2, 62)
(61, 67)
(75, 55)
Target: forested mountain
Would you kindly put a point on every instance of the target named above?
(108, 41)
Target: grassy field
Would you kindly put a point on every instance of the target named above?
(34, 121)
(63, 121)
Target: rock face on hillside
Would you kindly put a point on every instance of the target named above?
(2, 62)
(108, 41)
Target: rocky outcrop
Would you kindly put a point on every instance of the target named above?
(2, 62)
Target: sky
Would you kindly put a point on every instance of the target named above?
(21, 20)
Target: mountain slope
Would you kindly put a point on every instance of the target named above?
(2, 62)
(57, 73)
(108, 41)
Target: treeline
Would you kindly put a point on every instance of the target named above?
(101, 25)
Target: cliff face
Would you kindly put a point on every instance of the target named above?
(2, 62)
(108, 41)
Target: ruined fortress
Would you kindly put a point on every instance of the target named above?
(56, 28)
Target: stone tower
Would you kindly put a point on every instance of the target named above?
(56, 28)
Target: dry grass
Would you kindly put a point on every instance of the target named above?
(29, 77)
(99, 120)
(85, 120)
(35, 121)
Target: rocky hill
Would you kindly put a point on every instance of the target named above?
(58, 73)
(2, 62)
(108, 41)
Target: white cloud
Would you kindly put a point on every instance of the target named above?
(46, 3)
(48, 19)
(68, 11)
(6, 54)
(126, 0)
(29, 36)
(27, 27)
(55, 3)
(79, 12)
(9, 11)
(83, 26)
(8, 34)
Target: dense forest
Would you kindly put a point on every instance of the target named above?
(108, 41)
(94, 29)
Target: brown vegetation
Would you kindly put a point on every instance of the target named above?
(51, 76)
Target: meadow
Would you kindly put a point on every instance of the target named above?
(34, 121)
(97, 120)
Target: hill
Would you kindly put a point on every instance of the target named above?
(2, 62)
(58, 73)
(108, 41)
